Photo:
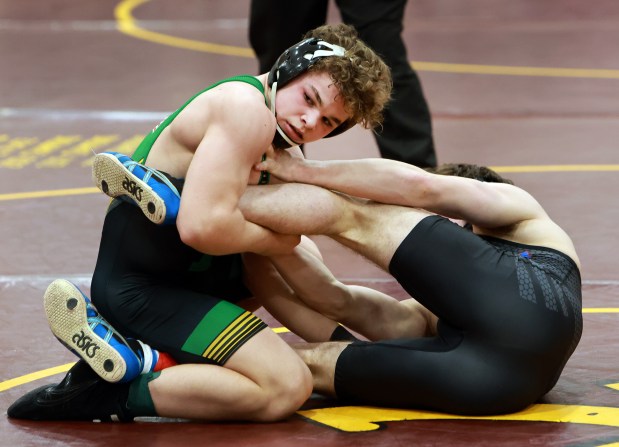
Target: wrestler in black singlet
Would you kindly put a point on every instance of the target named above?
(510, 316)
(151, 286)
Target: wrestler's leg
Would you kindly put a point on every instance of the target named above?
(259, 378)
(77, 324)
(321, 359)
(306, 209)
(263, 381)
(294, 208)
(253, 374)
(372, 229)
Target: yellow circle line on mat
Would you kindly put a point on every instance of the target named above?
(127, 24)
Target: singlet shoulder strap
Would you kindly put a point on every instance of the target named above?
(144, 147)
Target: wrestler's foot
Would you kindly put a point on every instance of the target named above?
(117, 175)
(77, 324)
(81, 396)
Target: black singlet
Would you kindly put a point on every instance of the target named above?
(510, 316)
(151, 286)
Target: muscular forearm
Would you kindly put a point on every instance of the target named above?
(233, 234)
(377, 179)
(281, 301)
(368, 312)
(313, 282)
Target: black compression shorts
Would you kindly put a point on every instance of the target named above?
(510, 316)
(151, 286)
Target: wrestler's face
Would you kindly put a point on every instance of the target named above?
(309, 107)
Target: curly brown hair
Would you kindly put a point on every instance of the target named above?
(361, 75)
(481, 173)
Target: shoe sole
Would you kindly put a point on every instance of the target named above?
(112, 178)
(65, 308)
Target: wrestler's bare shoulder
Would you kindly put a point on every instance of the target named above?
(542, 232)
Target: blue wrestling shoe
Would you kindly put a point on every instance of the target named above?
(77, 325)
(117, 175)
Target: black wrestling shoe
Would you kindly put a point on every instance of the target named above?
(81, 396)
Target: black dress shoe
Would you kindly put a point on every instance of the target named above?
(81, 396)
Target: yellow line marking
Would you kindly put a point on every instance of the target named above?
(16, 144)
(600, 310)
(7, 384)
(126, 23)
(84, 148)
(516, 71)
(362, 419)
(41, 150)
(557, 168)
(45, 194)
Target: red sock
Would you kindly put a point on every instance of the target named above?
(164, 361)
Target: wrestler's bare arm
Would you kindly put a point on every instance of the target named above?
(238, 129)
(282, 302)
(366, 311)
(387, 181)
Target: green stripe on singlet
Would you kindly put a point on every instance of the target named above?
(212, 324)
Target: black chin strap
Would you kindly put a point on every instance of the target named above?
(279, 142)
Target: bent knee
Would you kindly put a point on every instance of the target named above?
(286, 395)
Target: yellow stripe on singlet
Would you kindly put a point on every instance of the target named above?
(245, 332)
(212, 351)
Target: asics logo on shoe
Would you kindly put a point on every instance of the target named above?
(132, 188)
(85, 344)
